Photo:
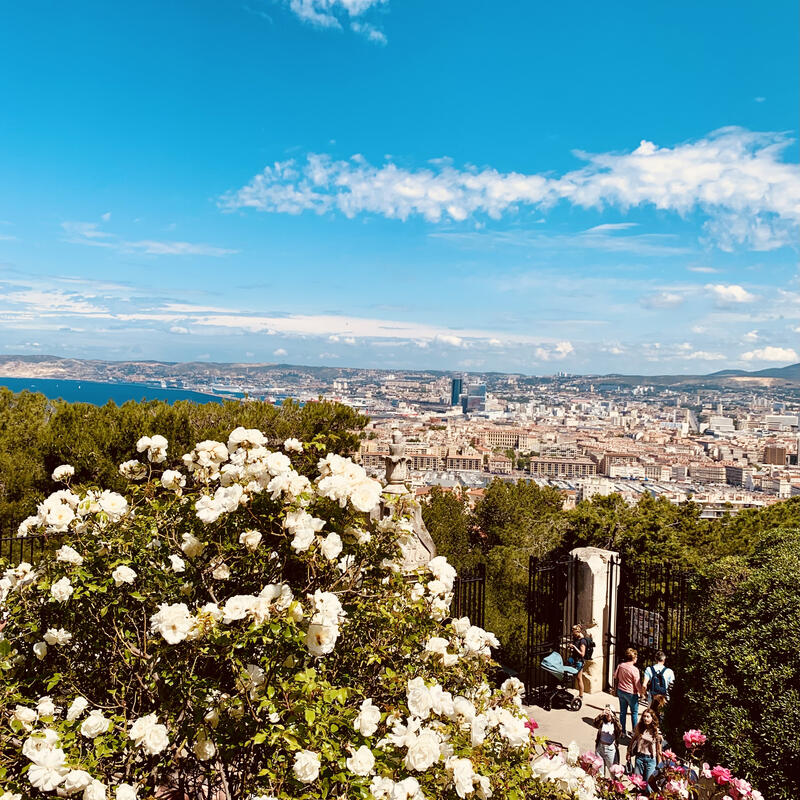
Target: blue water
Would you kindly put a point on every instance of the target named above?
(98, 394)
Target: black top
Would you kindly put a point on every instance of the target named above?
(578, 642)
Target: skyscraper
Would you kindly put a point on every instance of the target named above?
(456, 389)
(475, 398)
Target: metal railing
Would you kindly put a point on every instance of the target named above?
(469, 595)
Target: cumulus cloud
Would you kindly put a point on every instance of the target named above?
(280, 352)
(735, 176)
(554, 352)
(751, 336)
(771, 354)
(730, 293)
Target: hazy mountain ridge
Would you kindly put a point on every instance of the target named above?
(55, 367)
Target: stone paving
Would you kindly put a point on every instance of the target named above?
(562, 726)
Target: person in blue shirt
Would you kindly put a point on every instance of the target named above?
(658, 678)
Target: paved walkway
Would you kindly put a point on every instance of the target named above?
(562, 726)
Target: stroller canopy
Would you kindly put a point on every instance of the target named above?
(556, 666)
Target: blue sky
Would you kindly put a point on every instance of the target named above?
(514, 186)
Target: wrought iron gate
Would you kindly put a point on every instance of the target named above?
(552, 611)
(16, 549)
(469, 595)
(652, 610)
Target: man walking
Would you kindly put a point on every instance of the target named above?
(658, 678)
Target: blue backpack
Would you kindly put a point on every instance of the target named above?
(658, 683)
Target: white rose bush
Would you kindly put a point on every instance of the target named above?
(237, 624)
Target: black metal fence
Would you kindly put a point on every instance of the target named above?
(652, 608)
(552, 611)
(469, 595)
(16, 549)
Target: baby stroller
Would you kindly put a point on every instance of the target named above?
(558, 696)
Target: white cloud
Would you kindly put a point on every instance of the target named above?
(280, 352)
(733, 175)
(45, 302)
(730, 293)
(702, 269)
(333, 13)
(704, 355)
(179, 329)
(446, 338)
(663, 299)
(751, 336)
(554, 352)
(89, 233)
(771, 354)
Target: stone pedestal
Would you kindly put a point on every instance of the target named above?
(593, 591)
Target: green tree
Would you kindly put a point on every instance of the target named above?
(742, 672)
(448, 519)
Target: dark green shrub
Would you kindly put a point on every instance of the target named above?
(741, 679)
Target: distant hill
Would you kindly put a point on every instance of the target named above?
(45, 366)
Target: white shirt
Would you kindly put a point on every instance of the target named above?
(669, 677)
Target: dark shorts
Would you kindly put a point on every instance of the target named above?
(575, 662)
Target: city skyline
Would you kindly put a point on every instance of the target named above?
(419, 185)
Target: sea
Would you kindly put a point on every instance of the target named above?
(98, 394)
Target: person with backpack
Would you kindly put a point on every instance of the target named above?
(658, 678)
(581, 649)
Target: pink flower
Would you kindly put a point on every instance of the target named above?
(721, 775)
(617, 770)
(620, 788)
(669, 756)
(638, 781)
(531, 725)
(739, 788)
(552, 750)
(694, 738)
(591, 762)
(706, 770)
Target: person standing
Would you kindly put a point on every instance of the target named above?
(606, 743)
(628, 687)
(577, 655)
(645, 746)
(658, 678)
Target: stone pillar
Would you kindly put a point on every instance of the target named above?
(596, 603)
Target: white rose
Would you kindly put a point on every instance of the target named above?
(368, 718)
(132, 470)
(204, 749)
(237, 607)
(95, 791)
(172, 479)
(306, 766)
(149, 735)
(115, 505)
(419, 698)
(366, 495)
(321, 638)
(423, 751)
(293, 445)
(191, 545)
(123, 574)
(79, 705)
(362, 762)
(76, 781)
(461, 626)
(37, 743)
(177, 563)
(40, 650)
(68, 555)
(46, 707)
(173, 622)
(59, 517)
(463, 774)
(221, 572)
(302, 540)
(48, 771)
(61, 590)
(331, 546)
(125, 792)
(63, 473)
(250, 539)
(57, 637)
(464, 708)
(95, 724)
